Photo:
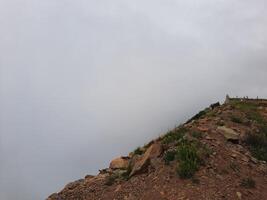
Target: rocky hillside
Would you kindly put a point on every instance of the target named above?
(220, 153)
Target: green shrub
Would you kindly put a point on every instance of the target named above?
(248, 183)
(169, 156)
(189, 160)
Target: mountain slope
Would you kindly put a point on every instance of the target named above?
(220, 153)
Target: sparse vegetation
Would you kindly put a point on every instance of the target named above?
(257, 142)
(250, 109)
(248, 183)
(174, 135)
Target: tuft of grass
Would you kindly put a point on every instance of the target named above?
(174, 135)
(248, 183)
(189, 160)
(169, 156)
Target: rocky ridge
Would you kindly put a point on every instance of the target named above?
(220, 153)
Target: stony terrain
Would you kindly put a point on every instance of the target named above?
(220, 153)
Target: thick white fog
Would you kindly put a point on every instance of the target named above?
(84, 81)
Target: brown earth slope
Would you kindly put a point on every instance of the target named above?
(220, 153)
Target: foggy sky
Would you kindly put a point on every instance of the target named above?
(84, 81)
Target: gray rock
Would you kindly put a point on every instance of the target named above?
(229, 133)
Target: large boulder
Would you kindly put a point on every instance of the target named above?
(140, 163)
(229, 133)
(119, 163)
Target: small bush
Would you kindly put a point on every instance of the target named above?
(189, 160)
(169, 156)
(248, 183)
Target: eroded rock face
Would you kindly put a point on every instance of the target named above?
(229, 133)
(119, 163)
(140, 163)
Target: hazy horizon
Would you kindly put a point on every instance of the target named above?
(82, 82)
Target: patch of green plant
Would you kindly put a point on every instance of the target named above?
(138, 151)
(174, 135)
(196, 134)
(188, 158)
(248, 183)
(236, 119)
(258, 145)
(169, 156)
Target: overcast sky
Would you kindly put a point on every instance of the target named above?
(84, 81)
